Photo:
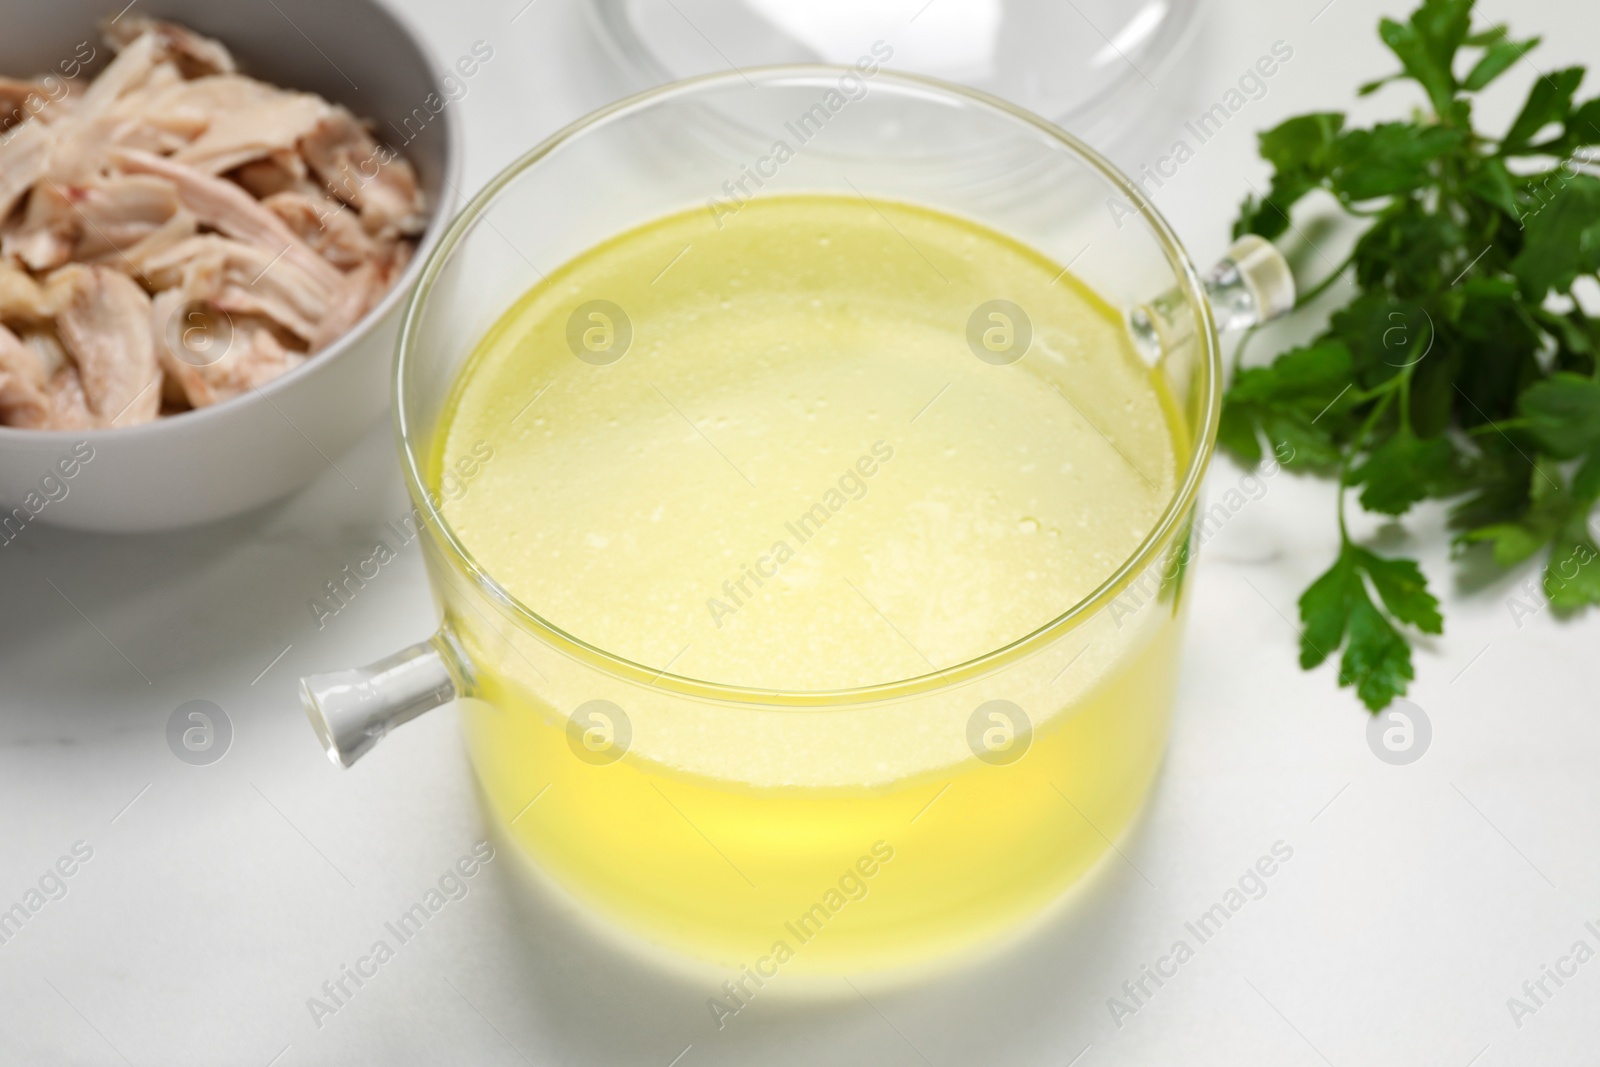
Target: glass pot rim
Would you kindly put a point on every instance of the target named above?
(1148, 550)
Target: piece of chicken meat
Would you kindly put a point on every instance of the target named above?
(170, 199)
(105, 328)
(365, 174)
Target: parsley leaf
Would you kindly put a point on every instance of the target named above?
(1427, 43)
(1562, 240)
(1338, 610)
(1461, 368)
(1497, 59)
(1405, 470)
(1294, 402)
(1572, 580)
(1377, 661)
(1325, 610)
(1550, 100)
(1404, 590)
(1563, 413)
(1390, 158)
(1300, 151)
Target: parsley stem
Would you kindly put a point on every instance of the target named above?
(1344, 468)
(1322, 286)
(1355, 447)
(1361, 396)
(1405, 397)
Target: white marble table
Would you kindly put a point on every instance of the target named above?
(216, 899)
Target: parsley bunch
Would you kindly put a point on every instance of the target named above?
(1463, 367)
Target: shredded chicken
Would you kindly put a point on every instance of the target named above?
(21, 98)
(276, 172)
(355, 297)
(176, 233)
(178, 228)
(226, 207)
(39, 387)
(47, 233)
(273, 125)
(24, 390)
(21, 298)
(27, 304)
(195, 105)
(214, 358)
(362, 172)
(106, 330)
(134, 65)
(117, 212)
(239, 277)
(327, 226)
(24, 156)
(196, 55)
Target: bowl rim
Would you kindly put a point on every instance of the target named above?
(440, 215)
(1172, 522)
(1181, 25)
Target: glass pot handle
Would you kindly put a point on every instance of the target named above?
(353, 710)
(1250, 285)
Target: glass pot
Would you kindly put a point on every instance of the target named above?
(820, 832)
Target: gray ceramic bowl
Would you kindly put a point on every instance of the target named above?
(224, 459)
